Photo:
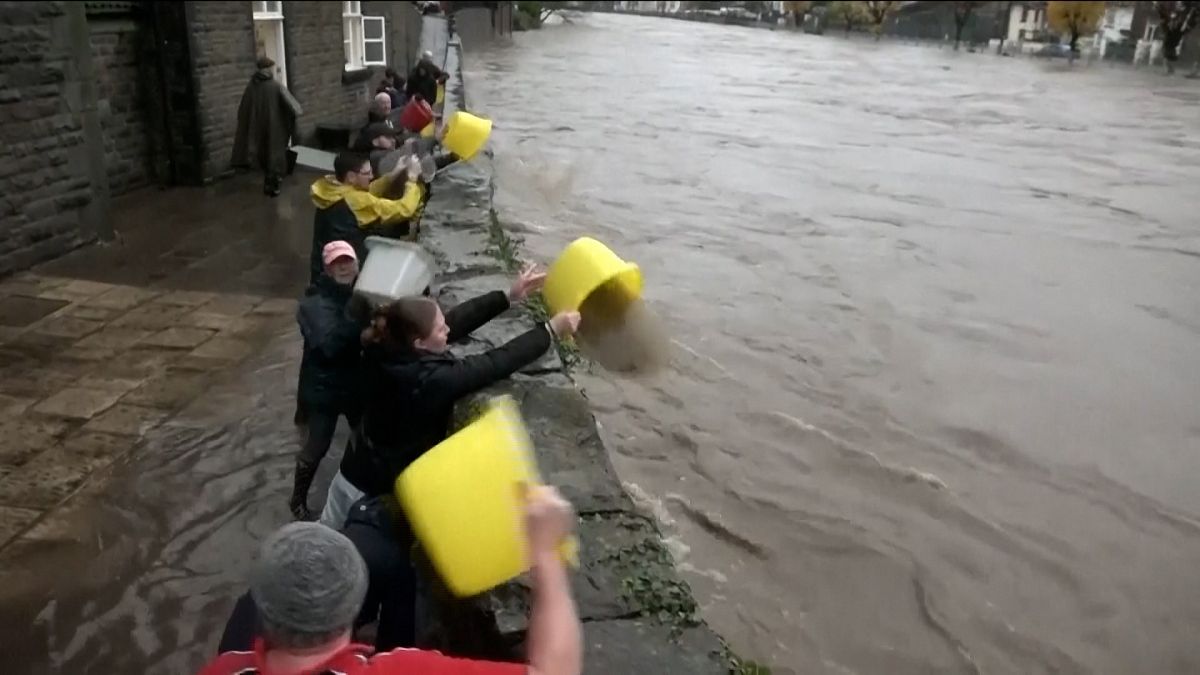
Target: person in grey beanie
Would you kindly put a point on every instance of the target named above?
(309, 583)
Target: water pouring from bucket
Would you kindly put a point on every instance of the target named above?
(465, 134)
(618, 330)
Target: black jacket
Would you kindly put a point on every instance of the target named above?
(423, 80)
(408, 398)
(331, 323)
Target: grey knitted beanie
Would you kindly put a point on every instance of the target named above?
(309, 583)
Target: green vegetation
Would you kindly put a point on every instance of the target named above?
(505, 248)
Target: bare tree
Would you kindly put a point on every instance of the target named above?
(1175, 20)
(962, 15)
(877, 13)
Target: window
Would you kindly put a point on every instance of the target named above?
(268, 35)
(352, 34)
(364, 38)
(374, 41)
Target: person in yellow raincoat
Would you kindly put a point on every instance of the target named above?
(352, 204)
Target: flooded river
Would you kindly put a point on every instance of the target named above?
(932, 404)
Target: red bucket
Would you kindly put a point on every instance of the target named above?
(416, 115)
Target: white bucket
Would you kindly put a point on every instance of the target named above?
(394, 269)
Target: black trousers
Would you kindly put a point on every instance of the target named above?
(322, 423)
(386, 546)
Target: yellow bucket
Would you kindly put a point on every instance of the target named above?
(584, 266)
(463, 503)
(428, 131)
(441, 94)
(466, 134)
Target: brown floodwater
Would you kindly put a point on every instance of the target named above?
(931, 401)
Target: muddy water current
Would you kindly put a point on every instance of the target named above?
(931, 402)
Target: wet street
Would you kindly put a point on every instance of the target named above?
(932, 403)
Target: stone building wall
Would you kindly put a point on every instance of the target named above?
(316, 66)
(116, 44)
(44, 186)
(222, 48)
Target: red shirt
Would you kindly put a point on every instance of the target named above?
(355, 659)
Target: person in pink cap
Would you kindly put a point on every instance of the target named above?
(331, 319)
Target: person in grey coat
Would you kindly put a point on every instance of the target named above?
(266, 122)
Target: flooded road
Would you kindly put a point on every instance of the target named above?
(932, 406)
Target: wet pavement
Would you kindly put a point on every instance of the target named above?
(932, 403)
(146, 392)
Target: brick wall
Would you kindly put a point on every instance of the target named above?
(222, 47)
(316, 63)
(43, 176)
(115, 48)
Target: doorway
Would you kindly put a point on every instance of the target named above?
(268, 35)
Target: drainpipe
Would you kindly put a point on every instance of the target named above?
(81, 98)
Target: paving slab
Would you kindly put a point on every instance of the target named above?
(66, 326)
(91, 311)
(93, 448)
(169, 390)
(41, 484)
(29, 284)
(26, 436)
(13, 519)
(18, 311)
(78, 403)
(62, 294)
(114, 337)
(123, 297)
(224, 349)
(92, 355)
(34, 347)
(231, 305)
(277, 306)
(186, 298)
(29, 381)
(12, 406)
(106, 382)
(129, 420)
(179, 337)
(152, 316)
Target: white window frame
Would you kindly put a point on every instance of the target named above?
(272, 13)
(381, 41)
(352, 35)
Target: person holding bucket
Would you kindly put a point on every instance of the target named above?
(411, 382)
(309, 582)
(351, 204)
(331, 320)
(424, 79)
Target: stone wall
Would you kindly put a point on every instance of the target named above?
(44, 185)
(115, 46)
(222, 48)
(638, 614)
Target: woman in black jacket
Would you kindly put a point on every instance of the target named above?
(411, 382)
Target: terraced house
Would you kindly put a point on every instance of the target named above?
(99, 99)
